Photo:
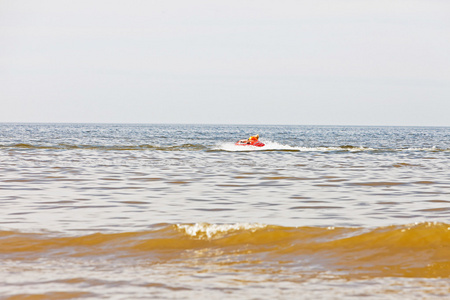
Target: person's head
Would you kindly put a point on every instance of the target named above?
(257, 136)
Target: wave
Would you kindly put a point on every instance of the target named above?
(275, 146)
(192, 147)
(227, 146)
(417, 250)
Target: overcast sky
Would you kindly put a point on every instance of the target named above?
(324, 62)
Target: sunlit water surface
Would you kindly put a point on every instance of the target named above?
(178, 211)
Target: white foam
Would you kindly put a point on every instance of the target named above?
(200, 230)
(269, 145)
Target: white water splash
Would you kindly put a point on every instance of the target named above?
(201, 230)
(270, 145)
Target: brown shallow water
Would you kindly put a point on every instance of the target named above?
(124, 212)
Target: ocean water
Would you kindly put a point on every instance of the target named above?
(115, 211)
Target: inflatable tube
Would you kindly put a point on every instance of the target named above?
(249, 143)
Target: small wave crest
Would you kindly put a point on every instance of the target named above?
(267, 147)
(183, 147)
(205, 230)
(225, 146)
(276, 146)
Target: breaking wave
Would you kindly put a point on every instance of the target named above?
(417, 250)
(275, 146)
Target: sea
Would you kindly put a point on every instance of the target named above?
(161, 211)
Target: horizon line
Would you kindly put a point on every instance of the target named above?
(215, 124)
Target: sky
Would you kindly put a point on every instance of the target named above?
(317, 62)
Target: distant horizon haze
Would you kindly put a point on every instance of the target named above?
(348, 62)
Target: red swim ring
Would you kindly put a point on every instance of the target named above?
(249, 143)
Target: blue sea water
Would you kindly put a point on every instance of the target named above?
(305, 175)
